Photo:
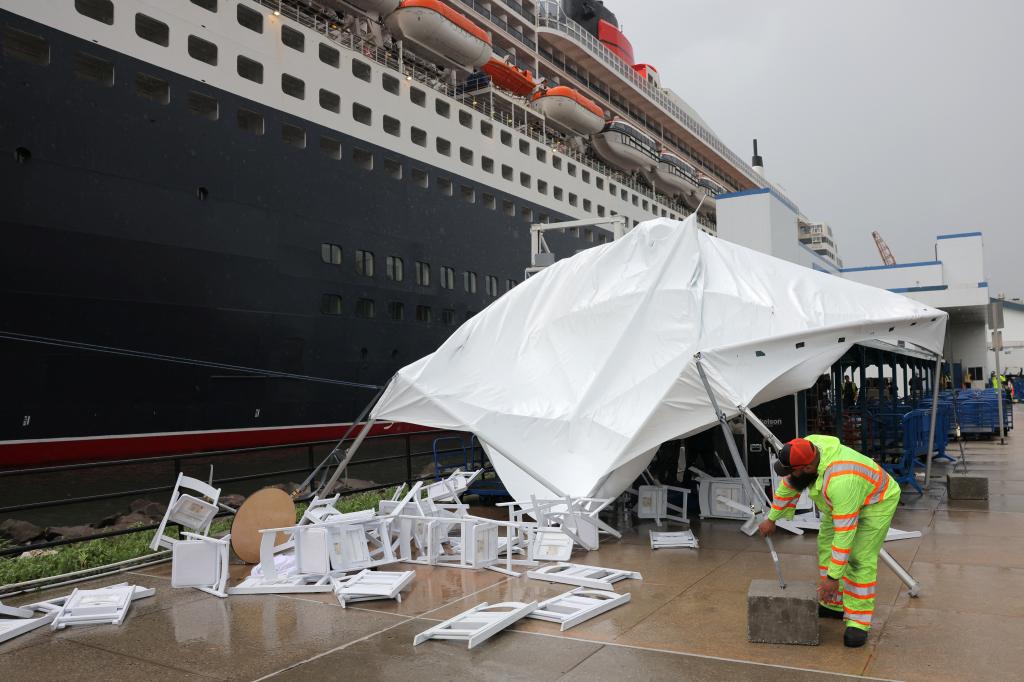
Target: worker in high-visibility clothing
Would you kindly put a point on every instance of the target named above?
(857, 499)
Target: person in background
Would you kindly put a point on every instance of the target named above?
(849, 392)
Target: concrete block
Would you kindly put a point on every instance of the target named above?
(782, 616)
(967, 487)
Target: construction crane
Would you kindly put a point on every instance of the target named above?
(883, 249)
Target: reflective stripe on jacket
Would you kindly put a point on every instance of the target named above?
(848, 485)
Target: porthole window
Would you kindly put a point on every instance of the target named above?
(442, 108)
(204, 106)
(249, 69)
(330, 254)
(202, 50)
(100, 10)
(330, 101)
(422, 274)
(152, 88)
(330, 56)
(292, 86)
(293, 39)
(209, 5)
(250, 18)
(330, 147)
(293, 135)
(390, 83)
(361, 70)
(330, 304)
(364, 263)
(27, 47)
(395, 267)
(366, 308)
(447, 280)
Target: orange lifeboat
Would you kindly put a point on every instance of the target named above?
(569, 109)
(439, 34)
(509, 77)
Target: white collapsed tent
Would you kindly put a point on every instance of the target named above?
(573, 379)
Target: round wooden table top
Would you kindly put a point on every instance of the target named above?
(266, 508)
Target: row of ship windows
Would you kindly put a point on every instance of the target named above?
(366, 308)
(333, 254)
(205, 51)
(97, 69)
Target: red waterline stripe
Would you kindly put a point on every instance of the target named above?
(140, 446)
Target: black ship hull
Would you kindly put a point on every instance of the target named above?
(137, 225)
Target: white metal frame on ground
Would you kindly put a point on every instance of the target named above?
(369, 585)
(577, 606)
(594, 577)
(478, 624)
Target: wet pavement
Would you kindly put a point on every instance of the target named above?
(686, 619)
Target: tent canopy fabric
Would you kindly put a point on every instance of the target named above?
(574, 378)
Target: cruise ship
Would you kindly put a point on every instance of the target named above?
(228, 222)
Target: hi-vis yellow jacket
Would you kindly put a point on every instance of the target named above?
(848, 486)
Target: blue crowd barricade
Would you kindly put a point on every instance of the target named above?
(450, 454)
(1018, 388)
(915, 425)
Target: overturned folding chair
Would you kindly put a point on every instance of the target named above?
(594, 577)
(187, 510)
(106, 605)
(652, 501)
(478, 624)
(201, 562)
(367, 585)
(577, 606)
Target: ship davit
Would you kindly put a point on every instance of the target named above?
(674, 176)
(509, 77)
(706, 190)
(440, 34)
(622, 145)
(566, 108)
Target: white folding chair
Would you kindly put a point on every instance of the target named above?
(201, 562)
(187, 510)
(99, 606)
(477, 624)
(367, 585)
(576, 606)
(594, 577)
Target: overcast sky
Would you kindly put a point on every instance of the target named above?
(904, 116)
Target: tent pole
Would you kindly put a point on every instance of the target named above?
(730, 440)
(334, 450)
(349, 454)
(753, 491)
(931, 427)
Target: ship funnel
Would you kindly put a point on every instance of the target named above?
(757, 162)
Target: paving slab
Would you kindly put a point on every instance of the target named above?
(967, 589)
(242, 637)
(714, 623)
(164, 598)
(930, 644)
(391, 656)
(618, 663)
(68, 661)
(979, 522)
(986, 550)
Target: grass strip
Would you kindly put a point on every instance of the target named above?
(96, 553)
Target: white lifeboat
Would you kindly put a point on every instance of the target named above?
(674, 176)
(437, 33)
(379, 7)
(706, 191)
(622, 145)
(567, 108)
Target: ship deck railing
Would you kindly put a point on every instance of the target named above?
(435, 79)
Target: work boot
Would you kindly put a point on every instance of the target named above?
(825, 612)
(855, 637)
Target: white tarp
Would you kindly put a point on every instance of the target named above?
(581, 372)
